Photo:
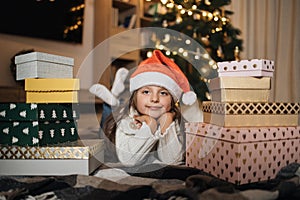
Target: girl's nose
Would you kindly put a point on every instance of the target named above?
(154, 98)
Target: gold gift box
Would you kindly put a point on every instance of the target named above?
(240, 89)
(52, 97)
(52, 90)
(51, 84)
(81, 149)
(239, 114)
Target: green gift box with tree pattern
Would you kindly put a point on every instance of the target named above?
(28, 124)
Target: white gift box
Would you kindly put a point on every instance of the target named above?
(254, 67)
(83, 157)
(43, 65)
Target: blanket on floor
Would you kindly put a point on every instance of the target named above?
(164, 182)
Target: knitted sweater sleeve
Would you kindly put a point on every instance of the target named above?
(170, 146)
(132, 144)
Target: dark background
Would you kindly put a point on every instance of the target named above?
(41, 19)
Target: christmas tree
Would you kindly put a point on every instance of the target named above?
(207, 23)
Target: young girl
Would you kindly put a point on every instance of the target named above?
(149, 128)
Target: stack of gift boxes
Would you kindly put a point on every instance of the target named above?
(42, 131)
(245, 137)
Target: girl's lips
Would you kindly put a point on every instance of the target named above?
(154, 107)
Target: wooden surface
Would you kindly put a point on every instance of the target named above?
(12, 94)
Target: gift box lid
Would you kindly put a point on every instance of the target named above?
(38, 112)
(34, 56)
(242, 134)
(239, 83)
(80, 149)
(248, 108)
(250, 66)
(52, 84)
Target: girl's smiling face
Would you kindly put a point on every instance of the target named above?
(153, 101)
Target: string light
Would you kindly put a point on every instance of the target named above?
(167, 38)
(219, 29)
(178, 19)
(206, 56)
(237, 53)
(78, 22)
(204, 70)
(198, 54)
(161, 47)
(170, 5)
(149, 54)
(165, 23)
(163, 1)
(219, 52)
(207, 2)
(214, 65)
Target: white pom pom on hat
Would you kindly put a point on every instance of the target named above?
(189, 98)
(161, 71)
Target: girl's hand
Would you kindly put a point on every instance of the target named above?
(165, 120)
(151, 122)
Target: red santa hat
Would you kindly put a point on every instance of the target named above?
(162, 71)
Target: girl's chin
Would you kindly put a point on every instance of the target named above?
(155, 115)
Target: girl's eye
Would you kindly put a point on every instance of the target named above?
(145, 92)
(164, 93)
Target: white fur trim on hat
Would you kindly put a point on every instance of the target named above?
(158, 79)
(162, 80)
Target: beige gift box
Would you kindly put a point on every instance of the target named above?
(240, 89)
